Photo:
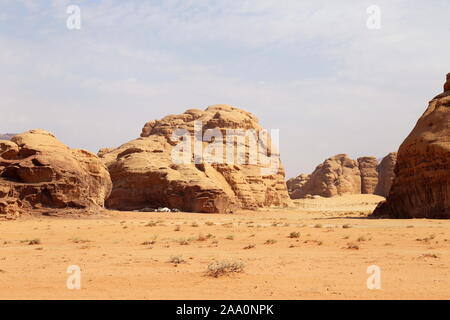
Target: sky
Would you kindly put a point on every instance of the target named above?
(312, 69)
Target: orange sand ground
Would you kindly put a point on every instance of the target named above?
(412, 254)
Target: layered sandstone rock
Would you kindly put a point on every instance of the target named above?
(151, 172)
(37, 171)
(336, 176)
(386, 174)
(369, 175)
(421, 188)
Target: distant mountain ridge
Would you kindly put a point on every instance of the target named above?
(7, 136)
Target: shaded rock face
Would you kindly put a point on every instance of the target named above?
(421, 188)
(369, 175)
(336, 176)
(295, 185)
(37, 171)
(144, 172)
(386, 174)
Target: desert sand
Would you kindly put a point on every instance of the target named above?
(126, 255)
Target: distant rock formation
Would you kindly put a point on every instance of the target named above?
(295, 185)
(6, 136)
(341, 175)
(421, 187)
(386, 174)
(37, 172)
(145, 175)
(337, 175)
(369, 175)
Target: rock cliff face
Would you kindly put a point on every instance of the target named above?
(340, 175)
(386, 174)
(421, 188)
(152, 172)
(37, 171)
(369, 174)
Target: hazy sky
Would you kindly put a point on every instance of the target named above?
(309, 68)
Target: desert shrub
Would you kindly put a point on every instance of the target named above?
(177, 260)
(78, 240)
(361, 239)
(294, 235)
(201, 237)
(33, 242)
(352, 246)
(218, 269)
(147, 243)
(270, 241)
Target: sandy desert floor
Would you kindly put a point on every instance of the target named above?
(132, 255)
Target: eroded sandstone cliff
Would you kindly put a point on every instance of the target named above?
(421, 188)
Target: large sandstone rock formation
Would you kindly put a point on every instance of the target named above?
(37, 171)
(340, 175)
(421, 188)
(369, 174)
(145, 174)
(386, 174)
